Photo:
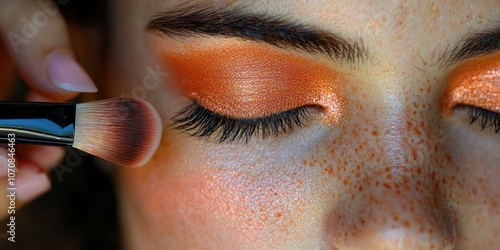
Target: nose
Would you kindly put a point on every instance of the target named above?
(397, 203)
(395, 195)
(396, 214)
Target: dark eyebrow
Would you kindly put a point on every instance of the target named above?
(477, 44)
(279, 32)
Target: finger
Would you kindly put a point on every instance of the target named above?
(36, 36)
(28, 183)
(45, 157)
(31, 181)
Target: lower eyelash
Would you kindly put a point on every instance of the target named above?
(202, 123)
(485, 118)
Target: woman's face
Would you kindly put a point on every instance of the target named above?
(312, 124)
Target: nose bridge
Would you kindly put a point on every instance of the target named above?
(409, 140)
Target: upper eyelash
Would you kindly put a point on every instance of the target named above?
(200, 122)
(486, 118)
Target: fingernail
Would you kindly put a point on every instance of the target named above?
(31, 183)
(67, 74)
(4, 162)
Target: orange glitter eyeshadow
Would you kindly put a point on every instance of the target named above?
(475, 83)
(248, 80)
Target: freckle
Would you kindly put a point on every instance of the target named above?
(416, 105)
(355, 133)
(297, 236)
(419, 170)
(409, 124)
(372, 155)
(406, 223)
(474, 191)
(414, 154)
(405, 180)
(417, 132)
(448, 157)
(346, 180)
(387, 185)
(279, 215)
(377, 183)
(429, 89)
(360, 188)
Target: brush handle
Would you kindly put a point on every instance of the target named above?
(37, 122)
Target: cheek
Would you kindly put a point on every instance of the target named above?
(237, 196)
(476, 193)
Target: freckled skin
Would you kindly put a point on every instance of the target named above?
(394, 174)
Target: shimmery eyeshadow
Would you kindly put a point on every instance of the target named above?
(475, 83)
(247, 80)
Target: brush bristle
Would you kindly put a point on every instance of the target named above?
(121, 130)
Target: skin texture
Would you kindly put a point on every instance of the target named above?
(400, 171)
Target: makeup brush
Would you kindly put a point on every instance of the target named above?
(121, 130)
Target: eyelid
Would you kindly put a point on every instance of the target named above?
(245, 79)
(474, 83)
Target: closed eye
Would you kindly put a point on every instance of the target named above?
(199, 122)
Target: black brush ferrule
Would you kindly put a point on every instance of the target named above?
(38, 122)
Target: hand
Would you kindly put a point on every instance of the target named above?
(36, 44)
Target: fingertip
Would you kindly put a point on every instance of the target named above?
(67, 74)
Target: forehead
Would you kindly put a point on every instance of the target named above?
(400, 14)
